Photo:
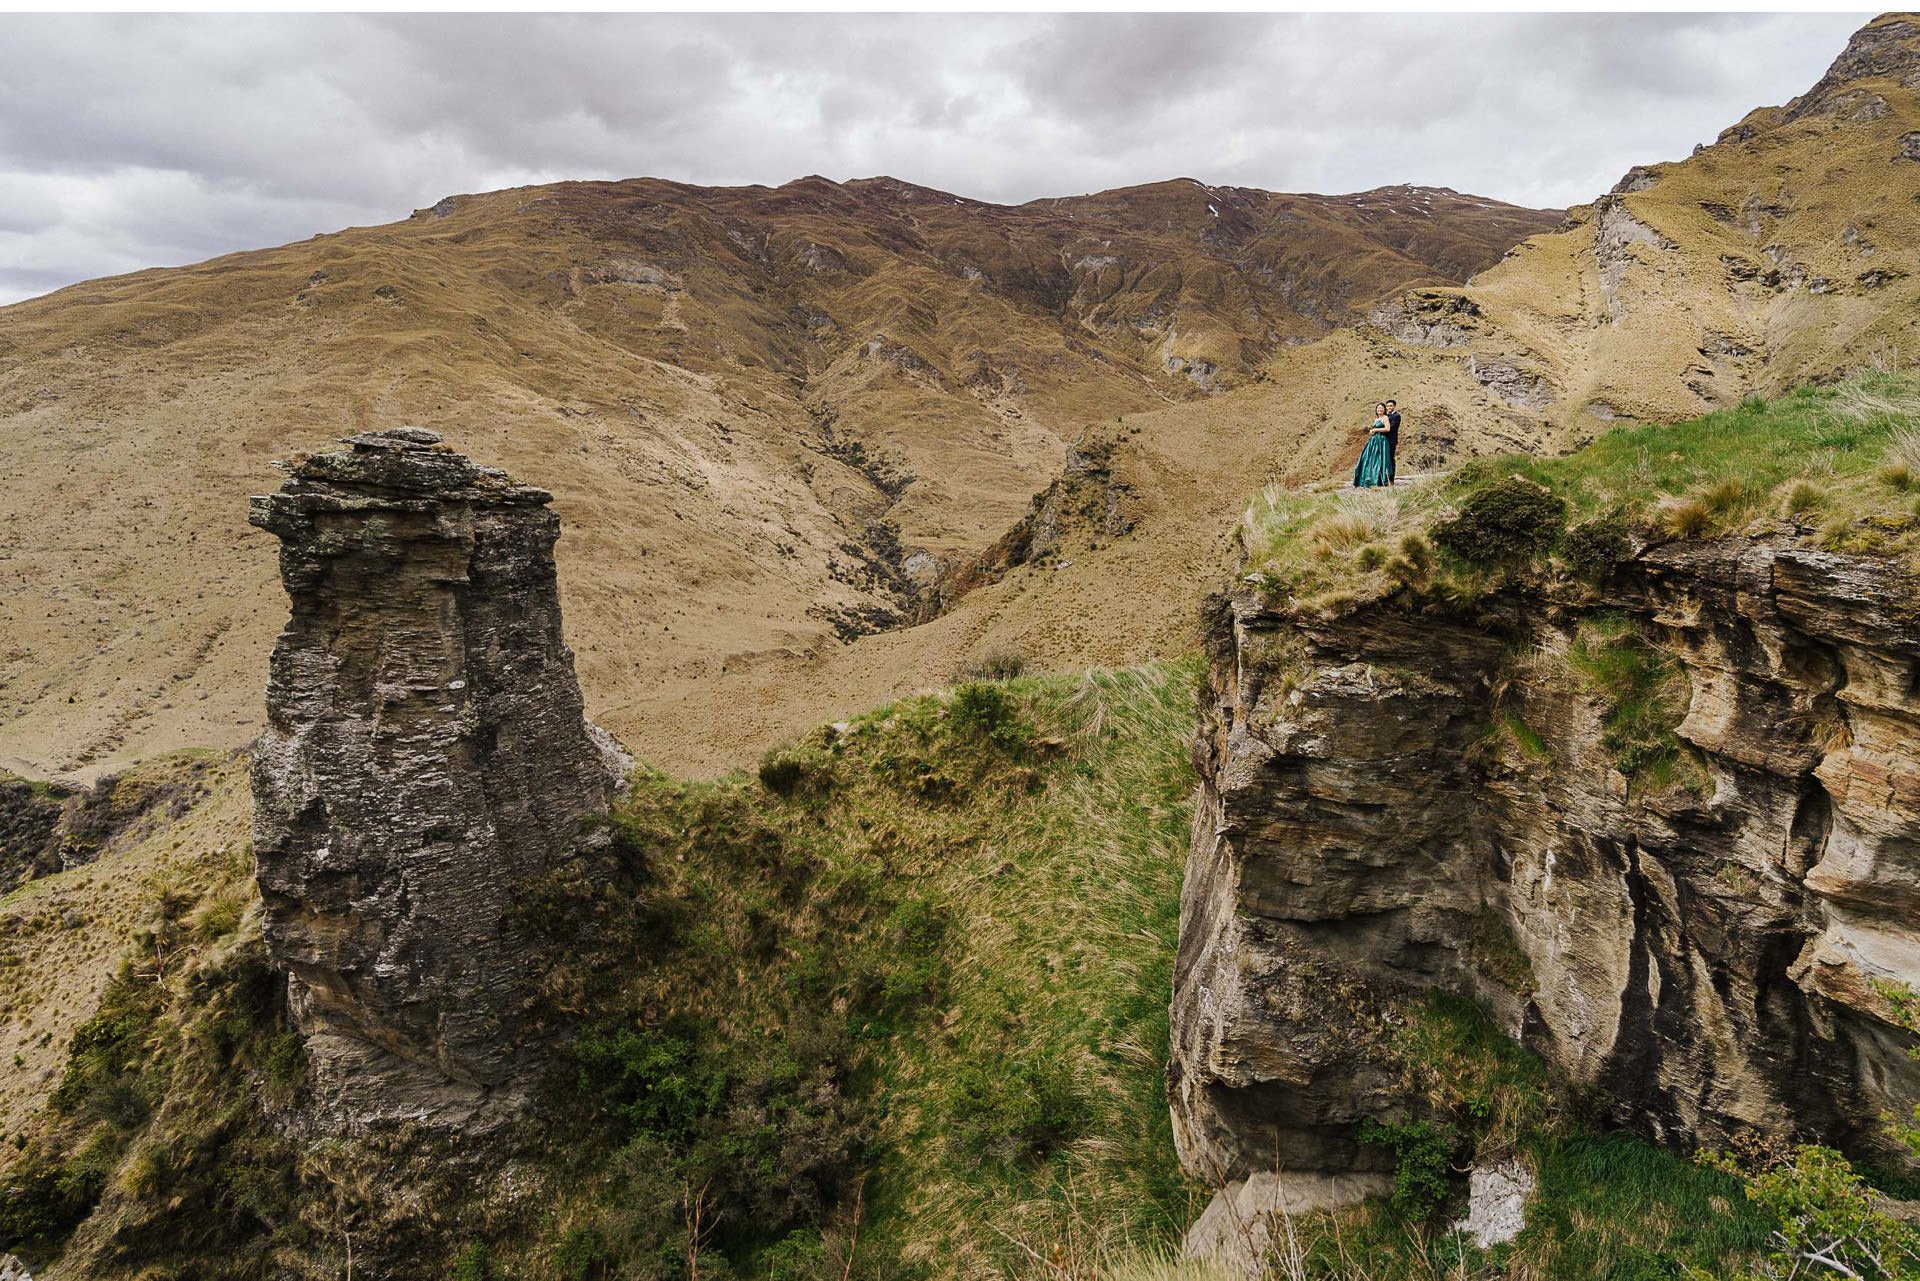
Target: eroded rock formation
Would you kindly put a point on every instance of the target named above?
(1704, 959)
(426, 759)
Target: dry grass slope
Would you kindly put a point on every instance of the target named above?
(764, 412)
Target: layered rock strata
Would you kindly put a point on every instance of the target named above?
(1704, 960)
(426, 760)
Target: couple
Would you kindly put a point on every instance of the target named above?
(1383, 438)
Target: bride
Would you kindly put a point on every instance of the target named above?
(1376, 459)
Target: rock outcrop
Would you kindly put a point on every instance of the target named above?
(426, 759)
(1725, 953)
(50, 827)
(29, 831)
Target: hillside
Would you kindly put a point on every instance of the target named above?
(1551, 815)
(1654, 303)
(769, 415)
(896, 1007)
(1178, 475)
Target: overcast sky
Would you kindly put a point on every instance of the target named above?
(135, 141)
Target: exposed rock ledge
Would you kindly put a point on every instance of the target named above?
(425, 757)
(1703, 961)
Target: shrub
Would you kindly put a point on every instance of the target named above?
(1592, 548)
(1423, 1153)
(474, 1263)
(795, 1257)
(981, 709)
(1019, 1110)
(654, 1080)
(915, 934)
(1827, 1220)
(108, 1052)
(994, 664)
(1372, 557)
(1897, 476)
(42, 1200)
(1509, 520)
(583, 1255)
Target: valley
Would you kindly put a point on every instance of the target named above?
(840, 732)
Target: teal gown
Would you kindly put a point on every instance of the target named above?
(1376, 462)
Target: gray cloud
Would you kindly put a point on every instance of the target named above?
(129, 141)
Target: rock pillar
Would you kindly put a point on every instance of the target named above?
(426, 760)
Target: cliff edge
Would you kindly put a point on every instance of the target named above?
(1407, 796)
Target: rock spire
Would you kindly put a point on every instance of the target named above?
(426, 760)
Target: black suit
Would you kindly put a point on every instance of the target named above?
(1393, 441)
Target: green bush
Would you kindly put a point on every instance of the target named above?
(1508, 520)
(652, 1079)
(798, 1256)
(1592, 548)
(914, 967)
(1827, 1221)
(43, 1199)
(982, 710)
(107, 1053)
(1015, 1110)
(475, 1263)
(583, 1256)
(1423, 1154)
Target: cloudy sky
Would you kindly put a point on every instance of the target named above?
(134, 141)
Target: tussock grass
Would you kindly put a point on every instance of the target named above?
(1903, 447)
(1159, 1265)
(957, 917)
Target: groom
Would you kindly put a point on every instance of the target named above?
(1393, 436)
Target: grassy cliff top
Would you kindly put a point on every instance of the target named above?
(1839, 464)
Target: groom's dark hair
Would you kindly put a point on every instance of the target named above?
(1391, 401)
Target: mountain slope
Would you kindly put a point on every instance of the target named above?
(770, 416)
(1653, 303)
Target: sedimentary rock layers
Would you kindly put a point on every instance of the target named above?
(426, 758)
(1711, 958)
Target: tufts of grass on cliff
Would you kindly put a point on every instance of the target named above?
(893, 1005)
(1840, 463)
(1605, 1205)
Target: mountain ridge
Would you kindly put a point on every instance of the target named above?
(771, 415)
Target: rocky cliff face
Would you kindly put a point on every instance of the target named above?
(1398, 800)
(426, 757)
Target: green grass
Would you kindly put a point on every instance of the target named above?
(893, 1005)
(1607, 1206)
(909, 979)
(1614, 1207)
(1843, 460)
(1646, 694)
